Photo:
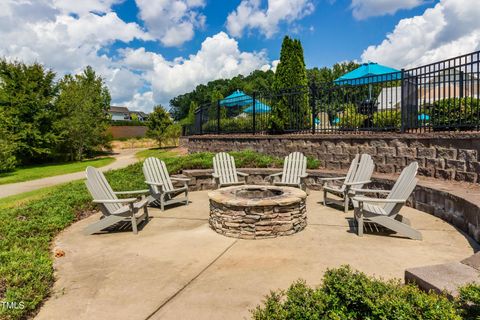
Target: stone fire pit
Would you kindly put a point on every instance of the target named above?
(257, 212)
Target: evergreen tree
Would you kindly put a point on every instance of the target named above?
(291, 111)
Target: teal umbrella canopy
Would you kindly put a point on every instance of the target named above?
(237, 98)
(369, 73)
(260, 107)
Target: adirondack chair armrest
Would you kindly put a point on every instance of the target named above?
(132, 192)
(378, 200)
(303, 176)
(359, 190)
(126, 200)
(215, 175)
(333, 179)
(356, 182)
(180, 179)
(241, 174)
(158, 184)
(274, 174)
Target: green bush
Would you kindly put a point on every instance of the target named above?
(8, 160)
(469, 301)
(347, 294)
(229, 125)
(387, 119)
(454, 113)
(351, 119)
(131, 123)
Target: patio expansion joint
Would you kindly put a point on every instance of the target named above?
(178, 292)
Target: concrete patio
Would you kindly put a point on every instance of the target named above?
(178, 268)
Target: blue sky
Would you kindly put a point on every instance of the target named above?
(149, 51)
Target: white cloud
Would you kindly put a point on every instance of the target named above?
(362, 9)
(39, 31)
(218, 57)
(249, 15)
(173, 22)
(450, 28)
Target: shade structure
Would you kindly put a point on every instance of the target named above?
(237, 99)
(369, 73)
(260, 107)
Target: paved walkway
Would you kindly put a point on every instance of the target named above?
(123, 158)
(178, 268)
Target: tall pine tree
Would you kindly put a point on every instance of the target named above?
(291, 110)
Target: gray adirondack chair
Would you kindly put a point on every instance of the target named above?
(294, 171)
(385, 212)
(160, 184)
(114, 210)
(359, 174)
(225, 172)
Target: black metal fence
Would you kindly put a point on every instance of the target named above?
(441, 96)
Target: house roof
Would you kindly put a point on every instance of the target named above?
(119, 109)
(140, 113)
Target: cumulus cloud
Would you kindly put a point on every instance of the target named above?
(173, 22)
(218, 57)
(451, 27)
(362, 9)
(249, 15)
(45, 31)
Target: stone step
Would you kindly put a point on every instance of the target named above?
(443, 277)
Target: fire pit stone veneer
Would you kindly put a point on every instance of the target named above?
(257, 212)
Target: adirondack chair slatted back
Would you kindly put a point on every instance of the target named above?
(100, 188)
(351, 171)
(294, 166)
(224, 167)
(402, 189)
(155, 170)
(364, 170)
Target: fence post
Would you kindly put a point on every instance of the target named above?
(201, 119)
(218, 116)
(313, 104)
(254, 112)
(402, 101)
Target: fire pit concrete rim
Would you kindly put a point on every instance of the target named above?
(227, 196)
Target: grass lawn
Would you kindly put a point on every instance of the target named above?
(48, 170)
(157, 152)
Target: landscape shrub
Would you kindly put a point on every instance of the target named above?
(131, 123)
(387, 119)
(238, 124)
(469, 301)
(350, 118)
(348, 294)
(454, 113)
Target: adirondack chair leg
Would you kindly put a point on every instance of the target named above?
(346, 202)
(359, 220)
(324, 197)
(134, 220)
(186, 196)
(162, 202)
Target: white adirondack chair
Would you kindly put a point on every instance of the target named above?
(225, 172)
(114, 210)
(160, 184)
(359, 173)
(385, 212)
(294, 171)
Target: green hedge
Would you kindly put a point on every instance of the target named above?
(454, 113)
(350, 118)
(348, 294)
(130, 123)
(229, 125)
(387, 119)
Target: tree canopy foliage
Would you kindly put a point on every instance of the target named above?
(43, 120)
(158, 122)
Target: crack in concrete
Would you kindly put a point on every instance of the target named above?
(190, 282)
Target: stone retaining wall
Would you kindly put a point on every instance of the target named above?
(452, 156)
(454, 202)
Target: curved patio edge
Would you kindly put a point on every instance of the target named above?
(457, 203)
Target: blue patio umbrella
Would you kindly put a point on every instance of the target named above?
(369, 73)
(237, 99)
(260, 107)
